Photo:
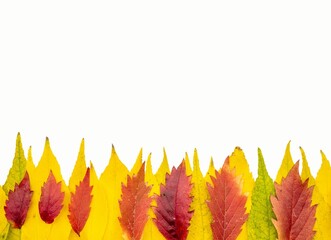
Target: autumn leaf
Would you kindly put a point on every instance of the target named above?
(286, 165)
(18, 203)
(227, 203)
(113, 176)
(79, 206)
(134, 205)
(4, 226)
(292, 207)
(151, 232)
(259, 222)
(18, 169)
(173, 213)
(51, 199)
(202, 218)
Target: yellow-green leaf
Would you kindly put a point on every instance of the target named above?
(111, 179)
(17, 171)
(35, 228)
(286, 165)
(305, 173)
(4, 226)
(259, 224)
(200, 223)
(239, 163)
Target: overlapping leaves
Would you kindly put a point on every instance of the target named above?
(36, 203)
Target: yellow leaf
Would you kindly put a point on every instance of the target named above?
(151, 232)
(210, 172)
(4, 226)
(321, 197)
(17, 171)
(97, 221)
(286, 165)
(187, 165)
(79, 170)
(35, 228)
(138, 163)
(239, 163)
(29, 164)
(305, 173)
(111, 179)
(200, 223)
(163, 169)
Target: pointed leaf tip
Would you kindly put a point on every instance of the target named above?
(51, 199)
(18, 203)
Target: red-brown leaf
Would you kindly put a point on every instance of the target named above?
(292, 207)
(227, 204)
(173, 213)
(134, 205)
(80, 204)
(51, 199)
(18, 203)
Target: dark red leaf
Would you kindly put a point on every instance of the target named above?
(227, 204)
(134, 205)
(292, 207)
(51, 199)
(80, 204)
(173, 213)
(18, 203)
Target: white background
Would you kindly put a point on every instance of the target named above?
(167, 74)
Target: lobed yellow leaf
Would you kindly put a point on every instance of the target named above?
(80, 168)
(35, 228)
(238, 162)
(188, 167)
(4, 226)
(210, 172)
(111, 179)
(151, 232)
(96, 224)
(286, 165)
(200, 227)
(137, 164)
(305, 173)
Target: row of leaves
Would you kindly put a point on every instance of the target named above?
(35, 202)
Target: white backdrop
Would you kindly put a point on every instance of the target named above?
(173, 74)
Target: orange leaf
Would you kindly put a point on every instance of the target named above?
(80, 204)
(173, 213)
(18, 203)
(292, 207)
(226, 204)
(51, 199)
(134, 205)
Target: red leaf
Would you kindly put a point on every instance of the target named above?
(292, 207)
(51, 199)
(227, 204)
(18, 203)
(134, 205)
(172, 212)
(79, 206)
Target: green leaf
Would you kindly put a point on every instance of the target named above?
(17, 171)
(260, 225)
